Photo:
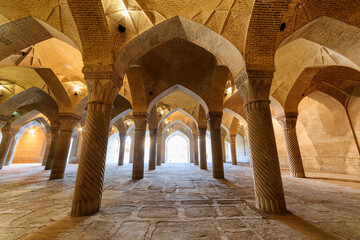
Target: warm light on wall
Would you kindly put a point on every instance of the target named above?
(32, 131)
(76, 88)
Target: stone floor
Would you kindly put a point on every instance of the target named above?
(176, 201)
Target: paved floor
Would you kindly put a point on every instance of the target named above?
(176, 201)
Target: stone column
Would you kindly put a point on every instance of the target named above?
(288, 123)
(196, 149)
(140, 120)
(158, 149)
(202, 142)
(7, 137)
(223, 135)
(269, 193)
(11, 152)
(54, 140)
(122, 149)
(152, 152)
(214, 119)
(233, 149)
(67, 124)
(132, 147)
(47, 148)
(90, 175)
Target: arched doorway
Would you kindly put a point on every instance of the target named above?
(177, 148)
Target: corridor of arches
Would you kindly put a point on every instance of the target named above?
(200, 119)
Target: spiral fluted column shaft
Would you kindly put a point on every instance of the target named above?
(52, 149)
(233, 149)
(152, 152)
(196, 149)
(269, 191)
(10, 155)
(122, 149)
(214, 119)
(158, 149)
(294, 155)
(139, 151)
(67, 124)
(90, 175)
(202, 143)
(7, 137)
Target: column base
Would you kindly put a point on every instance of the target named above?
(56, 175)
(298, 174)
(85, 208)
(218, 175)
(120, 164)
(137, 177)
(271, 206)
(234, 163)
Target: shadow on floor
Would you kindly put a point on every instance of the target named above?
(60, 228)
(304, 227)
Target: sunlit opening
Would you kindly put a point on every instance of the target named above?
(208, 148)
(127, 149)
(177, 148)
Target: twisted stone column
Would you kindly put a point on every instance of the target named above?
(132, 147)
(214, 119)
(152, 153)
(122, 149)
(90, 175)
(54, 140)
(202, 142)
(67, 124)
(196, 149)
(11, 152)
(7, 137)
(140, 120)
(233, 149)
(158, 149)
(47, 148)
(269, 193)
(288, 123)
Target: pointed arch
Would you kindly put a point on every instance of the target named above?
(36, 31)
(178, 110)
(331, 33)
(179, 88)
(177, 122)
(183, 28)
(238, 116)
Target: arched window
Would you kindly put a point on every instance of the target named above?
(177, 148)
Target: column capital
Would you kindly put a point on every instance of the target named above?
(140, 120)
(214, 119)
(3, 120)
(232, 136)
(9, 132)
(202, 129)
(255, 85)
(288, 120)
(101, 88)
(68, 121)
